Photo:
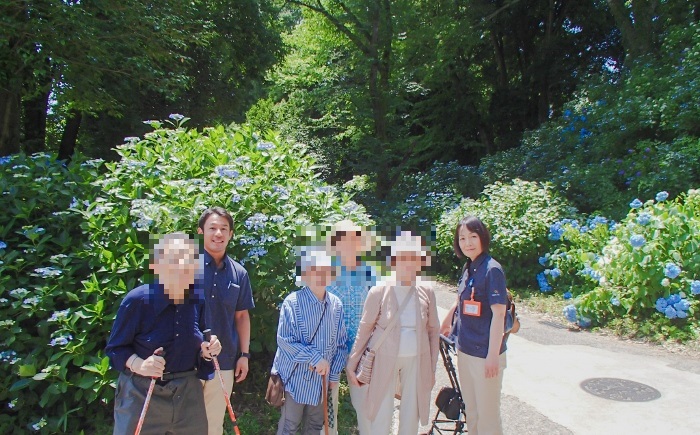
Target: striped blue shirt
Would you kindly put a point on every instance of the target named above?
(352, 286)
(299, 316)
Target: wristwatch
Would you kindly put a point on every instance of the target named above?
(245, 354)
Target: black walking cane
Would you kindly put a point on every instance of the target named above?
(142, 417)
(207, 337)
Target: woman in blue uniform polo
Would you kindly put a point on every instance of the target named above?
(482, 301)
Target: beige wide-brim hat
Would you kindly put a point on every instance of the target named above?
(348, 226)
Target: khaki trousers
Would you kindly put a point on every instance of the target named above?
(482, 397)
(358, 396)
(214, 401)
(405, 372)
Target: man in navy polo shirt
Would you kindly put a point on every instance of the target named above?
(163, 317)
(228, 298)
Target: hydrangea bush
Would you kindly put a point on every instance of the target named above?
(44, 343)
(646, 267)
(631, 133)
(518, 215)
(61, 299)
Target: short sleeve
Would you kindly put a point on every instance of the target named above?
(245, 296)
(496, 286)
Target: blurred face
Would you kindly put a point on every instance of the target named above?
(350, 244)
(216, 235)
(317, 277)
(176, 269)
(469, 243)
(407, 265)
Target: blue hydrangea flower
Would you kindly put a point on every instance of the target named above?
(542, 260)
(555, 273)
(637, 240)
(670, 312)
(176, 117)
(662, 196)
(265, 146)
(257, 221)
(615, 301)
(673, 299)
(61, 341)
(556, 231)
(681, 314)
(695, 287)
(277, 218)
(672, 270)
(636, 203)
(257, 252)
(661, 305)
(569, 312)
(644, 218)
(542, 281)
(567, 295)
(236, 198)
(3, 245)
(584, 322)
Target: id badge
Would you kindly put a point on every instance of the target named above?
(471, 308)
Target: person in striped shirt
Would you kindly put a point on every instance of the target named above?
(312, 344)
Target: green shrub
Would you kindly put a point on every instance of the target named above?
(518, 215)
(161, 184)
(629, 133)
(418, 200)
(43, 343)
(640, 269)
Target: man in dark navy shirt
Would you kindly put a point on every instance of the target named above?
(162, 317)
(228, 298)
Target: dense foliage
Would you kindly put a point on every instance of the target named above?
(620, 138)
(518, 215)
(76, 241)
(646, 267)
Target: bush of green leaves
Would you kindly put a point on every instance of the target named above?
(44, 343)
(518, 215)
(629, 133)
(418, 199)
(645, 268)
(95, 249)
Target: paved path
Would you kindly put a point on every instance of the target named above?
(547, 363)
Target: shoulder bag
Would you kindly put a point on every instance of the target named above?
(274, 395)
(364, 367)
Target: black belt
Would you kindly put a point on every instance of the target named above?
(169, 376)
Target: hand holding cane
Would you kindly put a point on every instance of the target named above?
(142, 417)
(207, 337)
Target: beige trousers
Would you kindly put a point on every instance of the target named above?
(214, 401)
(405, 372)
(482, 397)
(358, 396)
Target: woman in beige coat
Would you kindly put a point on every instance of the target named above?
(406, 360)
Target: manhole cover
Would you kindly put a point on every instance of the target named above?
(621, 390)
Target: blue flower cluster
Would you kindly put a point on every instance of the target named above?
(615, 301)
(256, 222)
(644, 218)
(695, 287)
(554, 273)
(662, 196)
(61, 341)
(9, 356)
(3, 245)
(542, 281)
(568, 295)
(672, 270)
(48, 272)
(637, 240)
(675, 306)
(636, 203)
(227, 171)
(569, 312)
(266, 146)
(590, 272)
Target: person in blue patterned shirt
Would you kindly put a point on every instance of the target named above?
(312, 343)
(347, 242)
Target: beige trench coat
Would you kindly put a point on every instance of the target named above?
(381, 306)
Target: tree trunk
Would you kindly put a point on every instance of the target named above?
(35, 123)
(639, 34)
(70, 136)
(9, 122)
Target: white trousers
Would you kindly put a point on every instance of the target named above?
(482, 396)
(214, 401)
(405, 371)
(357, 396)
